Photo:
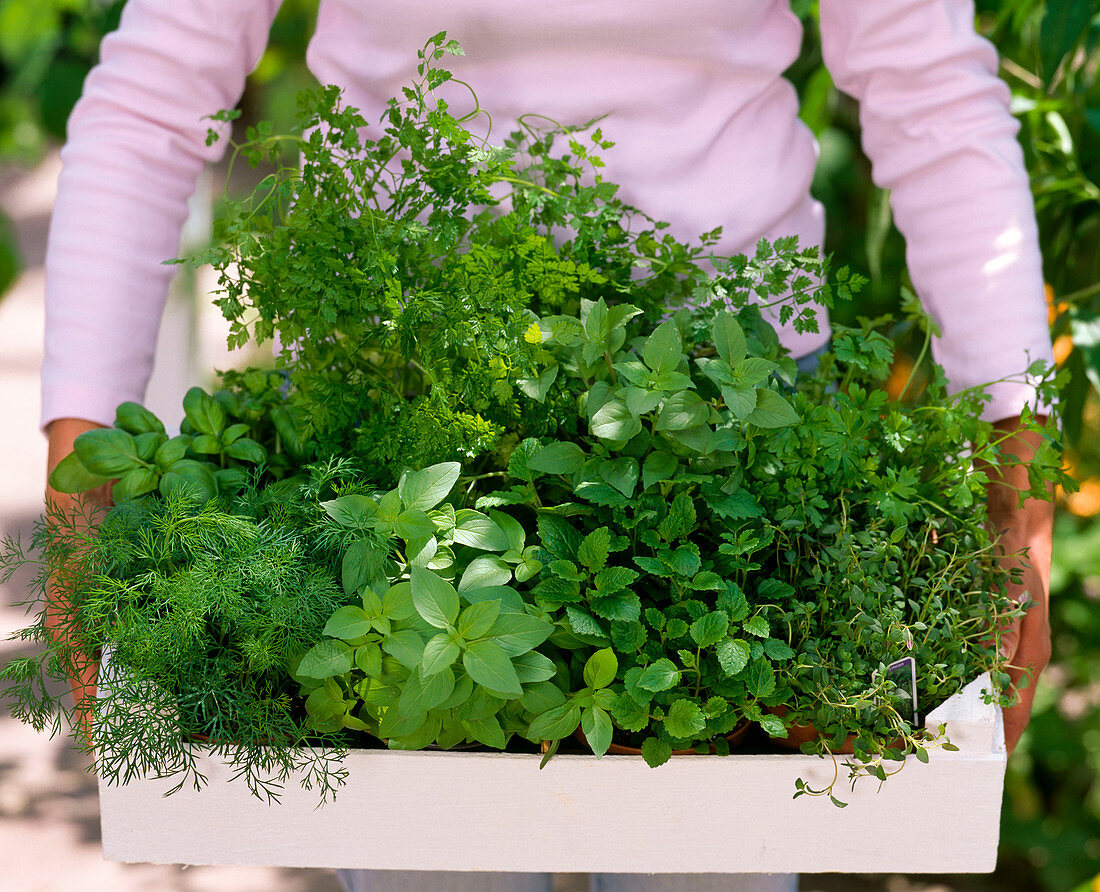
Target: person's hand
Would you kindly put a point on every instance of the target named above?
(1027, 530)
(83, 670)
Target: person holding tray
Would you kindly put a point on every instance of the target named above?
(707, 134)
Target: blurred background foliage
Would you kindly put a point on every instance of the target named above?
(1050, 52)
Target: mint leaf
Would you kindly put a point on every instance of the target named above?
(656, 751)
(659, 676)
(733, 655)
(594, 549)
(685, 719)
(710, 628)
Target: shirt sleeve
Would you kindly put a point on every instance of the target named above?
(938, 130)
(136, 146)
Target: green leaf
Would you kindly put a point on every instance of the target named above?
(354, 511)
(203, 411)
(622, 607)
(622, 473)
(533, 667)
(136, 419)
(363, 562)
(191, 479)
(733, 655)
(135, 483)
(659, 676)
(556, 723)
(423, 692)
(478, 530)
(439, 653)
(321, 705)
(413, 525)
(423, 490)
(233, 433)
(600, 669)
(771, 411)
(729, 339)
(435, 599)
(517, 633)
(171, 451)
(684, 719)
(487, 731)
(348, 623)
(514, 534)
(291, 423)
(596, 725)
(757, 626)
(614, 421)
(476, 620)
(628, 637)
(508, 597)
(558, 536)
(640, 401)
(248, 450)
(761, 678)
(685, 561)
(663, 349)
(538, 388)
(540, 696)
(326, 659)
(206, 444)
(656, 751)
(558, 458)
(107, 452)
(710, 628)
(772, 725)
(777, 650)
(628, 713)
(406, 646)
(397, 602)
(740, 400)
(658, 466)
(1063, 25)
(582, 623)
(148, 443)
(613, 579)
(368, 659)
(595, 548)
(70, 475)
(485, 571)
(681, 411)
(488, 664)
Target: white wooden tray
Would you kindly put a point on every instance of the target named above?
(475, 811)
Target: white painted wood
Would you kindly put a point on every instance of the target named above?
(484, 811)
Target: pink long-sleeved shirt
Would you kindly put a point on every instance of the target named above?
(706, 133)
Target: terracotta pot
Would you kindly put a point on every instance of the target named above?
(734, 737)
(800, 734)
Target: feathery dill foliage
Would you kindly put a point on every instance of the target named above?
(406, 288)
(199, 609)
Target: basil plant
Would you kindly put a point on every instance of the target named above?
(439, 648)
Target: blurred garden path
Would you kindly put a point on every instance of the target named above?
(49, 808)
